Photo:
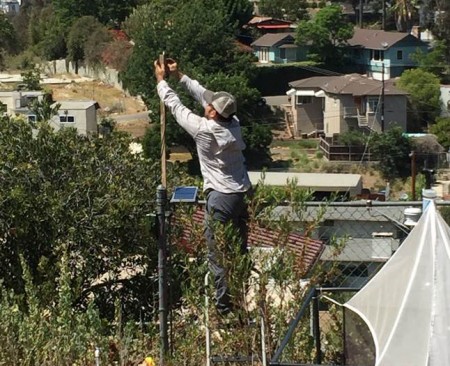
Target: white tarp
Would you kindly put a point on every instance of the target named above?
(406, 306)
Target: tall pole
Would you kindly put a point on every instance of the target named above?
(161, 199)
(383, 11)
(163, 132)
(360, 13)
(382, 96)
(413, 175)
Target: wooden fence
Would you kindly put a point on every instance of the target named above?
(342, 152)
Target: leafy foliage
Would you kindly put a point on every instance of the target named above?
(424, 90)
(32, 79)
(284, 9)
(86, 40)
(392, 150)
(212, 57)
(91, 194)
(434, 61)
(43, 110)
(7, 37)
(325, 32)
(442, 130)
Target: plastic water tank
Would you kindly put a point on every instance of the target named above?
(428, 195)
(412, 215)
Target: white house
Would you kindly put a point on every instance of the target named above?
(19, 102)
(9, 6)
(81, 115)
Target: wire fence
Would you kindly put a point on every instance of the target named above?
(359, 238)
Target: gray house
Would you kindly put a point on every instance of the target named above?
(359, 240)
(336, 104)
(81, 115)
(278, 48)
(384, 54)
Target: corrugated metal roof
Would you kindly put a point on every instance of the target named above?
(379, 40)
(306, 250)
(353, 84)
(271, 39)
(325, 182)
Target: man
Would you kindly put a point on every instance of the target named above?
(219, 144)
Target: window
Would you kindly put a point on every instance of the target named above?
(399, 55)
(304, 99)
(377, 55)
(66, 118)
(31, 118)
(372, 104)
(3, 108)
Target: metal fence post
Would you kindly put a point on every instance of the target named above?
(161, 200)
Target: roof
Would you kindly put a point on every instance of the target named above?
(353, 84)
(380, 40)
(77, 104)
(271, 39)
(268, 22)
(306, 250)
(324, 182)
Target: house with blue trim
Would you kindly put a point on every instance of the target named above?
(382, 54)
(278, 48)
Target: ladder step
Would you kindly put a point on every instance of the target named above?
(235, 359)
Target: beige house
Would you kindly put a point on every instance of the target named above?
(337, 104)
(81, 115)
(16, 103)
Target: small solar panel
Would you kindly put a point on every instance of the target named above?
(184, 194)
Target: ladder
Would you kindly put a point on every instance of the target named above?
(235, 358)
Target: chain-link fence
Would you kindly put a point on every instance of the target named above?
(359, 238)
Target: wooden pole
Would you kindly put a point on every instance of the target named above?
(163, 133)
(412, 155)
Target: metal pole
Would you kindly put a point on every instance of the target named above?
(360, 13)
(161, 199)
(413, 175)
(382, 96)
(316, 327)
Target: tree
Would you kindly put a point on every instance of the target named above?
(82, 30)
(442, 130)
(210, 56)
(403, 11)
(239, 11)
(434, 61)
(392, 150)
(7, 37)
(325, 33)
(44, 110)
(292, 10)
(32, 79)
(89, 195)
(424, 94)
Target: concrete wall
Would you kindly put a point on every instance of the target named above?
(107, 75)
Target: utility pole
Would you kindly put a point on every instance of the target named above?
(360, 13)
(383, 10)
(382, 96)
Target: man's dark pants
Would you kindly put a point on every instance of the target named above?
(224, 208)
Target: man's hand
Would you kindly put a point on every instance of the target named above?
(159, 71)
(172, 68)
